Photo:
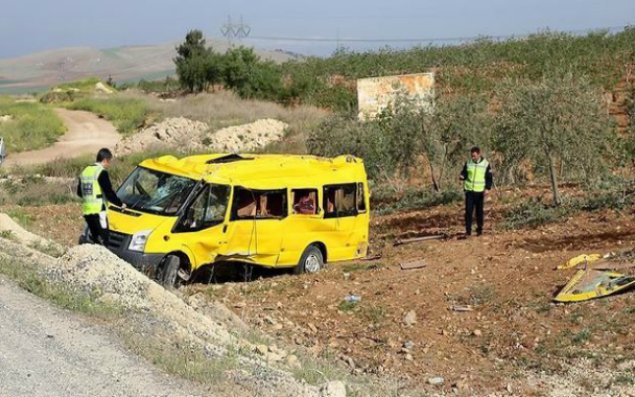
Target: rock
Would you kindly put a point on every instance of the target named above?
(477, 332)
(261, 349)
(333, 388)
(349, 360)
(408, 344)
(626, 365)
(293, 362)
(461, 385)
(312, 327)
(436, 381)
(270, 320)
(410, 318)
(274, 357)
(409, 357)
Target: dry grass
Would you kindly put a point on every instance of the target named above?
(224, 108)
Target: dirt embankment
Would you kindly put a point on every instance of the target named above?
(188, 135)
(210, 334)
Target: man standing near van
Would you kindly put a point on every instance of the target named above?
(96, 191)
(477, 180)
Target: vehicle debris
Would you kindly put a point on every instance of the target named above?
(416, 264)
(417, 239)
(352, 298)
(579, 260)
(591, 283)
(461, 308)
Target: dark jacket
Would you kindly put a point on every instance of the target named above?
(489, 178)
(106, 189)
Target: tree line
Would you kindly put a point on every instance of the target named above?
(200, 68)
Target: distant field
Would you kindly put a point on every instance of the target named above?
(32, 125)
(36, 72)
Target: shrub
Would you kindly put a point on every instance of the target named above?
(385, 201)
(532, 213)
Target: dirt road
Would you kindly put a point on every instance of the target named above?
(45, 351)
(86, 134)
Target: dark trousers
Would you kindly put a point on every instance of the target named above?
(98, 234)
(474, 202)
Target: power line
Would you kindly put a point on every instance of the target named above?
(419, 39)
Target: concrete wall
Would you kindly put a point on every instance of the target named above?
(376, 93)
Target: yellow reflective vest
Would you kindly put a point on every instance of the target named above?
(92, 197)
(475, 181)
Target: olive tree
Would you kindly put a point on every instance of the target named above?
(560, 125)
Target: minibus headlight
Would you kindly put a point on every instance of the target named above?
(139, 239)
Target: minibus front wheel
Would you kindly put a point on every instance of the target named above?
(168, 270)
(312, 260)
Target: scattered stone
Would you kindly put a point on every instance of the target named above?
(408, 357)
(477, 332)
(269, 320)
(274, 357)
(261, 349)
(436, 381)
(410, 318)
(312, 327)
(408, 344)
(293, 362)
(626, 365)
(334, 388)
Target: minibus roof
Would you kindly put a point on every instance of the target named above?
(263, 171)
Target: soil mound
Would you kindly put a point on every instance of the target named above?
(170, 133)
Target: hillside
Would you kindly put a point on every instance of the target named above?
(43, 69)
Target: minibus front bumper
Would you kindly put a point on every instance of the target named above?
(118, 244)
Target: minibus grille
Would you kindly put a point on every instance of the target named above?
(117, 241)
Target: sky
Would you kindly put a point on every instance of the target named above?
(28, 26)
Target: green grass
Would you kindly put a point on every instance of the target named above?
(35, 191)
(86, 85)
(33, 125)
(127, 114)
(22, 217)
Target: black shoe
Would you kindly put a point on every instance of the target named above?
(479, 232)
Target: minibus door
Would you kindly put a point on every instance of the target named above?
(341, 214)
(256, 225)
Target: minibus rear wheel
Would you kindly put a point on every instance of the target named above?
(168, 271)
(311, 261)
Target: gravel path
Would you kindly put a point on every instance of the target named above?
(86, 134)
(46, 351)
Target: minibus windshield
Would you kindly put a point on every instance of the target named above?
(155, 192)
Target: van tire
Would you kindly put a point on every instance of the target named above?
(311, 261)
(167, 274)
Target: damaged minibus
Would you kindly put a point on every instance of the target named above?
(276, 211)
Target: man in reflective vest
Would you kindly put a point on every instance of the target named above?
(477, 180)
(96, 192)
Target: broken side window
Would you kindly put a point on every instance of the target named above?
(339, 200)
(361, 199)
(305, 201)
(207, 210)
(259, 204)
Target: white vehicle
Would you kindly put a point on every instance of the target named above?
(3, 150)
